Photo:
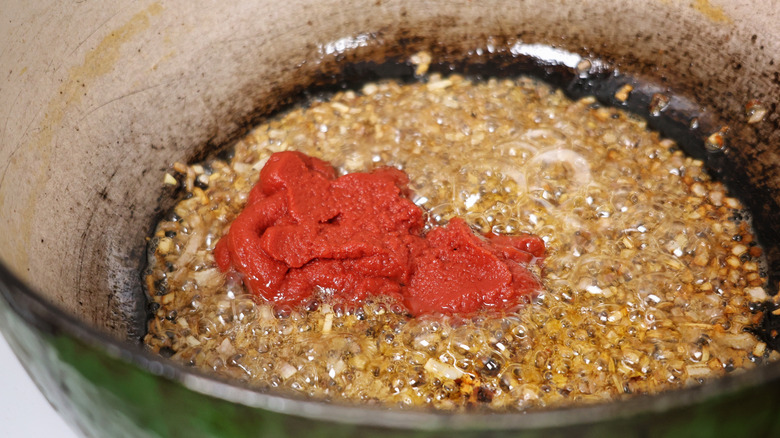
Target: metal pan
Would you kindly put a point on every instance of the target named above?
(98, 98)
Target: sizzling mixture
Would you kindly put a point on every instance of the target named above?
(648, 280)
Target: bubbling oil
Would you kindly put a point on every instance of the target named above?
(648, 283)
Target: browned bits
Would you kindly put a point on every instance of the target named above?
(658, 103)
(623, 92)
(717, 141)
(755, 111)
(648, 281)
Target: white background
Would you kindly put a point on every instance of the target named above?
(24, 411)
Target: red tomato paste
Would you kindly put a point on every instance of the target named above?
(359, 235)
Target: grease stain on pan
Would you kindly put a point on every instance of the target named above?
(705, 7)
(713, 12)
(97, 62)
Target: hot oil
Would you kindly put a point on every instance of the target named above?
(649, 278)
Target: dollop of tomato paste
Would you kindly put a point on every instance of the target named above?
(359, 235)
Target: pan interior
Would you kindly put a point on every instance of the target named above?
(149, 87)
